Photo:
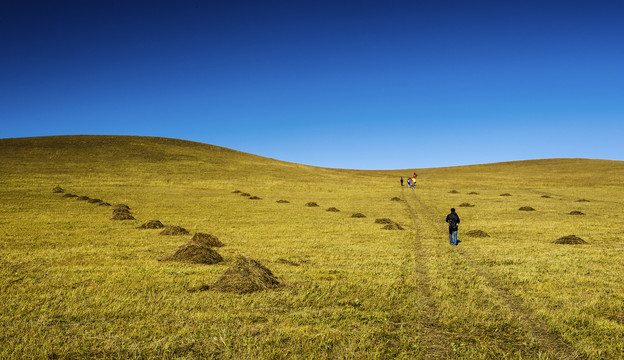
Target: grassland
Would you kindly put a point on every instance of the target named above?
(75, 284)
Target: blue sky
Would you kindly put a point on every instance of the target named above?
(346, 84)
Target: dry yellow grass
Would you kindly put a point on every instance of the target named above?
(76, 284)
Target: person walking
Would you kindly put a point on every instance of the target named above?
(401, 180)
(453, 220)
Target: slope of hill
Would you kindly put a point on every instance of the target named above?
(77, 284)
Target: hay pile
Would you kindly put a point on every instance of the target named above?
(505, 194)
(104, 204)
(245, 276)
(358, 215)
(570, 240)
(58, 189)
(207, 240)
(152, 224)
(283, 202)
(122, 212)
(466, 205)
(383, 221)
(121, 207)
(255, 198)
(393, 226)
(395, 199)
(245, 194)
(312, 204)
(473, 193)
(576, 212)
(95, 201)
(582, 200)
(82, 198)
(174, 230)
(526, 208)
(546, 196)
(477, 233)
(236, 192)
(332, 209)
(453, 192)
(195, 253)
(68, 195)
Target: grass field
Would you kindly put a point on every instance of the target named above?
(76, 284)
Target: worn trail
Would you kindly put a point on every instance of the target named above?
(434, 335)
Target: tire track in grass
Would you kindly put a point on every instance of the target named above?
(550, 343)
(435, 337)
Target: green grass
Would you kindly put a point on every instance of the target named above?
(75, 284)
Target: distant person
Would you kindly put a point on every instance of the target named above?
(401, 180)
(453, 220)
(409, 183)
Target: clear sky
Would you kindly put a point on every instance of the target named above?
(346, 84)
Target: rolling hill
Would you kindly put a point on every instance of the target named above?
(77, 284)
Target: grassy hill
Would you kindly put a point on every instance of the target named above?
(76, 284)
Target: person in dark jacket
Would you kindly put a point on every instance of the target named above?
(453, 220)
(401, 180)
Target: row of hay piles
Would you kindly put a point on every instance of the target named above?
(59, 190)
(244, 276)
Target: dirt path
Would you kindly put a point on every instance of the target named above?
(549, 344)
(435, 337)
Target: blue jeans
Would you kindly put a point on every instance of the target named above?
(451, 235)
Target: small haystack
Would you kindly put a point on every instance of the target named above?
(58, 189)
(505, 194)
(207, 240)
(68, 195)
(283, 202)
(311, 204)
(245, 276)
(95, 201)
(526, 208)
(466, 205)
(473, 193)
(383, 221)
(576, 212)
(358, 215)
(104, 204)
(453, 192)
(121, 207)
(395, 199)
(122, 215)
(582, 200)
(333, 209)
(393, 226)
(174, 230)
(546, 197)
(245, 194)
(152, 224)
(195, 253)
(570, 240)
(82, 198)
(255, 198)
(477, 233)
(236, 192)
